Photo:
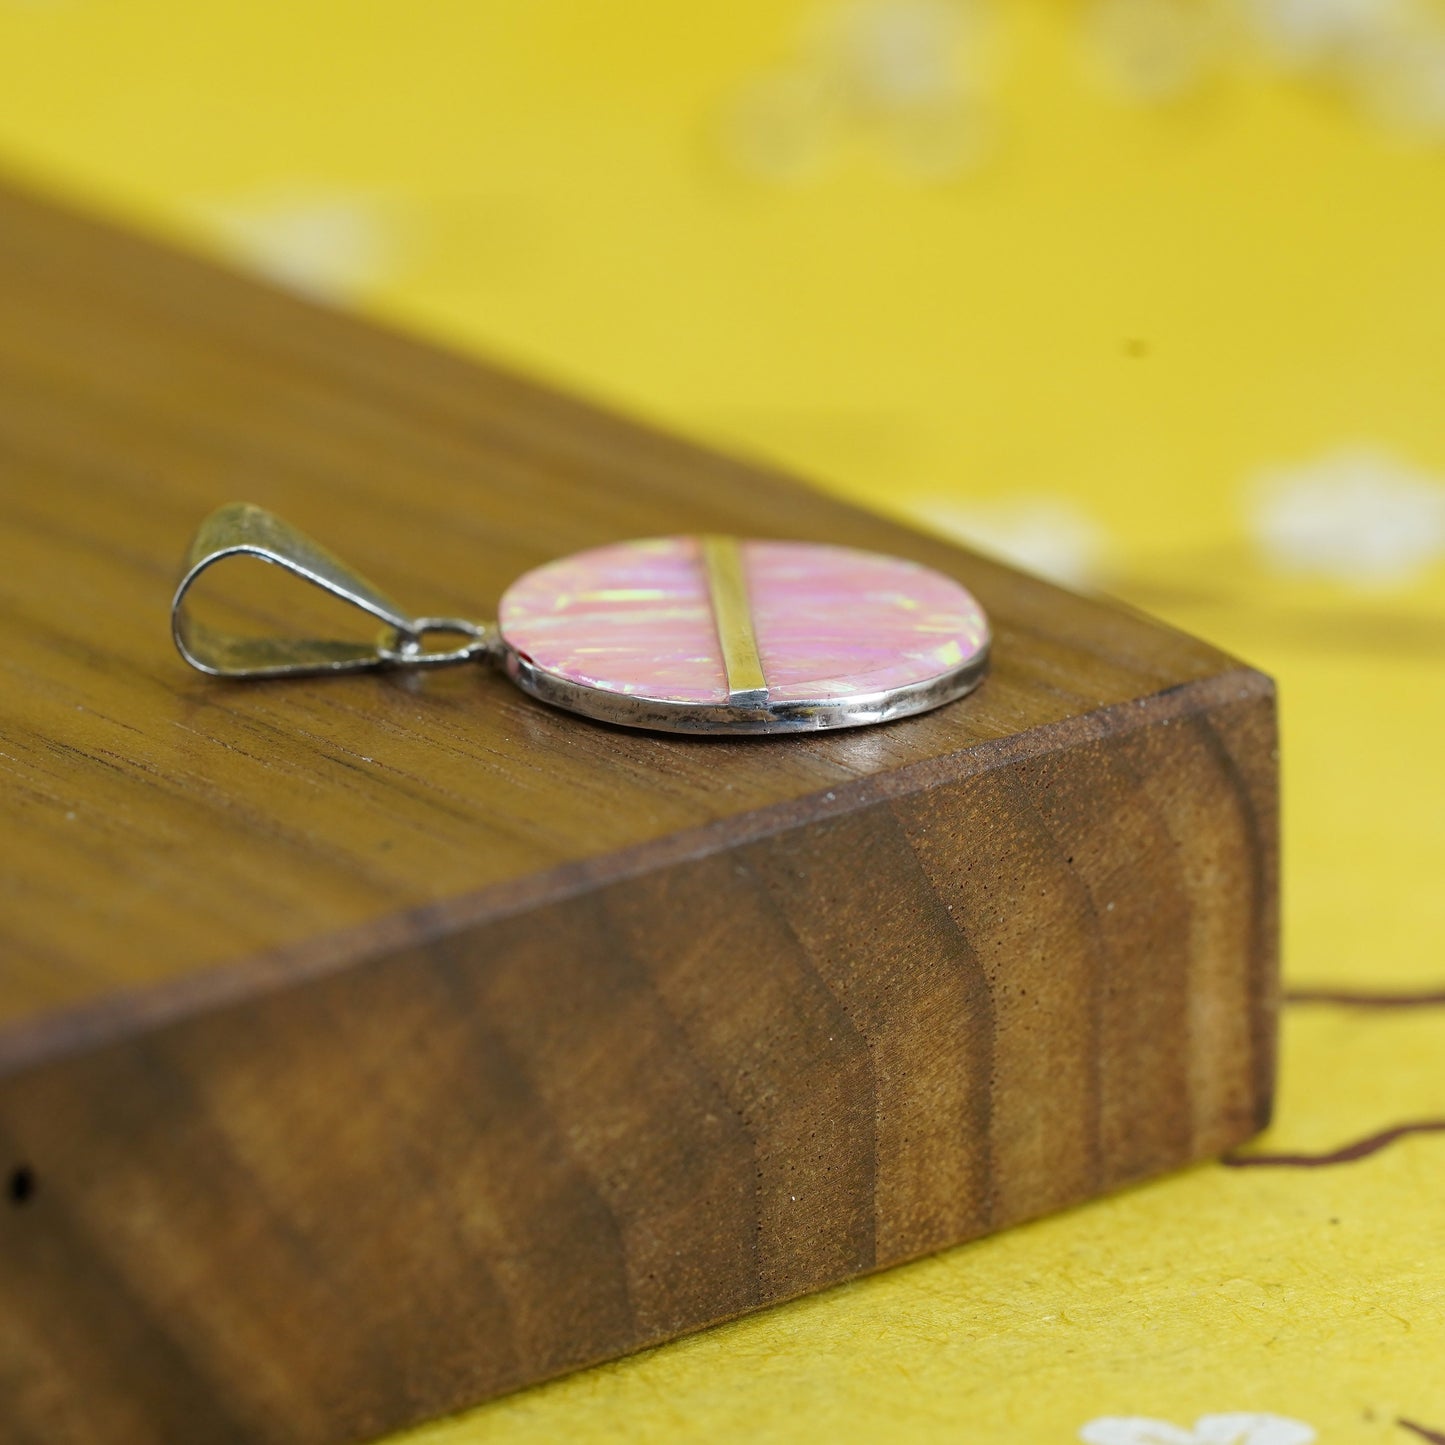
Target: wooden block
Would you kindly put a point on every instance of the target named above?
(369, 1047)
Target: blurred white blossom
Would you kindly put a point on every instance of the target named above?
(1386, 56)
(917, 77)
(907, 74)
(330, 244)
(1154, 50)
(1358, 515)
(1303, 33)
(1399, 77)
(893, 54)
(1240, 1428)
(1047, 535)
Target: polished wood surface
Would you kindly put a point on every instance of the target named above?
(372, 1045)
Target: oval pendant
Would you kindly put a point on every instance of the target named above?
(681, 634)
(713, 634)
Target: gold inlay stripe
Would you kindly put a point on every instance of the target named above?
(727, 585)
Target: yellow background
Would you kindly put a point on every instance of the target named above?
(1122, 313)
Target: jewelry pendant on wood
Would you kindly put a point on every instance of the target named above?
(681, 634)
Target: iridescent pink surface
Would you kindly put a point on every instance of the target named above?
(831, 622)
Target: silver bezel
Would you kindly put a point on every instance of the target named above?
(751, 719)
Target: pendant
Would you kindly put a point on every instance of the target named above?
(705, 634)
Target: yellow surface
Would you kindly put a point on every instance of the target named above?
(1088, 343)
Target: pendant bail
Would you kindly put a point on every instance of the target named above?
(243, 530)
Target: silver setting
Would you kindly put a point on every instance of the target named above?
(816, 715)
(243, 530)
(404, 647)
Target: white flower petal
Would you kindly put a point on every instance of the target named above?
(1359, 515)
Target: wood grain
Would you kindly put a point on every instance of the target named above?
(371, 1046)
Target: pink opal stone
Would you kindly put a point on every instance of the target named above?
(830, 622)
(634, 618)
(836, 622)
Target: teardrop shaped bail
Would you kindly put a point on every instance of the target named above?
(242, 530)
